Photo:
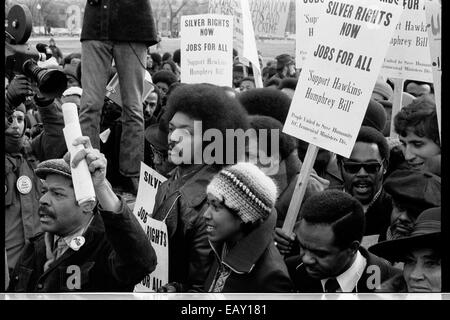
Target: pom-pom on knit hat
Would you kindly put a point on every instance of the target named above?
(244, 188)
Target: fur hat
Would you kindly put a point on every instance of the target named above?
(244, 188)
(284, 60)
(53, 166)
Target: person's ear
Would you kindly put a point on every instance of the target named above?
(354, 246)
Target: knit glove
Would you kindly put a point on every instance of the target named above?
(18, 90)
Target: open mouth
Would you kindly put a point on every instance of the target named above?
(210, 228)
(362, 187)
(45, 218)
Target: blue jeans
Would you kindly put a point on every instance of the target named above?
(130, 60)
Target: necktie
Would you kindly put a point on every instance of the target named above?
(332, 285)
(60, 246)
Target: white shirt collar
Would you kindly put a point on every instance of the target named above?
(349, 278)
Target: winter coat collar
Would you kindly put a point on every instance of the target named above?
(244, 255)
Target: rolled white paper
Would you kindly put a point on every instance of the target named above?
(81, 177)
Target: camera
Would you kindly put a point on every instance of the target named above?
(21, 58)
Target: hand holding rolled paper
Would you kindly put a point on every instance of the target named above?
(81, 175)
(95, 160)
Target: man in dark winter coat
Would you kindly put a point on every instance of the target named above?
(82, 249)
(181, 200)
(119, 30)
(363, 175)
(331, 259)
(22, 186)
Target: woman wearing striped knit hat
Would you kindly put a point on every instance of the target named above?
(239, 221)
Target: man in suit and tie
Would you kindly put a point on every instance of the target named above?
(329, 232)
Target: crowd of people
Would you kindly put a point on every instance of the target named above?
(368, 223)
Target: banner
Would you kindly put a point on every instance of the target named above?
(207, 49)
(156, 231)
(232, 8)
(307, 13)
(340, 72)
(434, 19)
(269, 17)
(408, 56)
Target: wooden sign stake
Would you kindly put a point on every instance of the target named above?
(300, 188)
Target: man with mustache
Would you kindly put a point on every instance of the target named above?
(100, 249)
(412, 193)
(363, 173)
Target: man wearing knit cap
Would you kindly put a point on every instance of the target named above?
(363, 173)
(82, 248)
(412, 192)
(240, 219)
(375, 116)
(331, 259)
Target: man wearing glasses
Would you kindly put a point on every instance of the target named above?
(363, 173)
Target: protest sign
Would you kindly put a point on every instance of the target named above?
(232, 8)
(339, 73)
(408, 56)
(337, 80)
(307, 14)
(243, 36)
(433, 10)
(249, 51)
(207, 49)
(156, 231)
(269, 17)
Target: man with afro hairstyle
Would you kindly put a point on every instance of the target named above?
(163, 79)
(181, 200)
(266, 102)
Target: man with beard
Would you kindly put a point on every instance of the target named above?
(362, 174)
(412, 193)
(331, 259)
(82, 248)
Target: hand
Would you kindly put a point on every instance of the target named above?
(170, 287)
(96, 160)
(283, 241)
(18, 90)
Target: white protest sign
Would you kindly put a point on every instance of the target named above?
(307, 13)
(207, 49)
(233, 8)
(339, 73)
(269, 16)
(249, 51)
(408, 56)
(156, 231)
(434, 18)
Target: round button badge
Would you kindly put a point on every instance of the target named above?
(24, 184)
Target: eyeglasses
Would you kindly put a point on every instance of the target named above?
(354, 167)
